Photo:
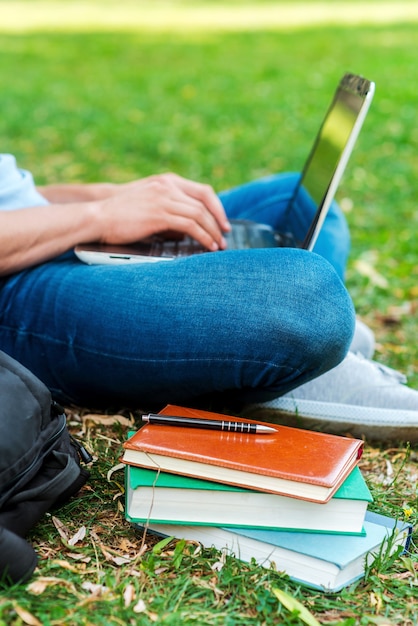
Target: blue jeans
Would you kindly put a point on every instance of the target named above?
(250, 322)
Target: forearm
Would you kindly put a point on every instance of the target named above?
(67, 193)
(33, 235)
(110, 214)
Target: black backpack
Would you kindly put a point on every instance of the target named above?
(39, 464)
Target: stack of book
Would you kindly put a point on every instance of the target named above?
(289, 497)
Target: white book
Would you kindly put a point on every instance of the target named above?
(163, 498)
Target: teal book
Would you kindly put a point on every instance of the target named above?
(327, 562)
(163, 498)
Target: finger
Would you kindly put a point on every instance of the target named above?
(197, 222)
(206, 195)
(193, 229)
(176, 201)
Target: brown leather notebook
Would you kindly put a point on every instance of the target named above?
(291, 461)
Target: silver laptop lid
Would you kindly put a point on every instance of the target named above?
(332, 148)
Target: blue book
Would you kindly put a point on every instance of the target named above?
(327, 562)
(164, 498)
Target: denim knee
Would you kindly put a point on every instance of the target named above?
(332, 313)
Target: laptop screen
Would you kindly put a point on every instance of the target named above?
(317, 186)
(332, 148)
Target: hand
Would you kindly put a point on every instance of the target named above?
(164, 202)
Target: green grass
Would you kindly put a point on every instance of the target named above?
(222, 107)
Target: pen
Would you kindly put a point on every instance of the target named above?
(195, 422)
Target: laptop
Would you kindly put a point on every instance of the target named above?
(318, 184)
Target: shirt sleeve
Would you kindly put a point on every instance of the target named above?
(17, 187)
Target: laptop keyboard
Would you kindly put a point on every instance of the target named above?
(243, 235)
(253, 235)
(175, 247)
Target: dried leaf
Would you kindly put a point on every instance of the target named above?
(216, 567)
(105, 552)
(66, 565)
(107, 420)
(201, 582)
(366, 269)
(115, 468)
(375, 601)
(140, 553)
(135, 573)
(121, 560)
(79, 536)
(393, 576)
(38, 586)
(389, 473)
(128, 595)
(61, 528)
(140, 607)
(95, 589)
(26, 617)
(78, 557)
(124, 544)
(114, 555)
(154, 617)
(197, 550)
(121, 508)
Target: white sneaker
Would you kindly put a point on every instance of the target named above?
(358, 397)
(363, 340)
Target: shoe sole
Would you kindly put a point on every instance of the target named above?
(360, 422)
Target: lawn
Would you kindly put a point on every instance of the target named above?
(137, 88)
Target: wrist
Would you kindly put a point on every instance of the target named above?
(95, 219)
(101, 191)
